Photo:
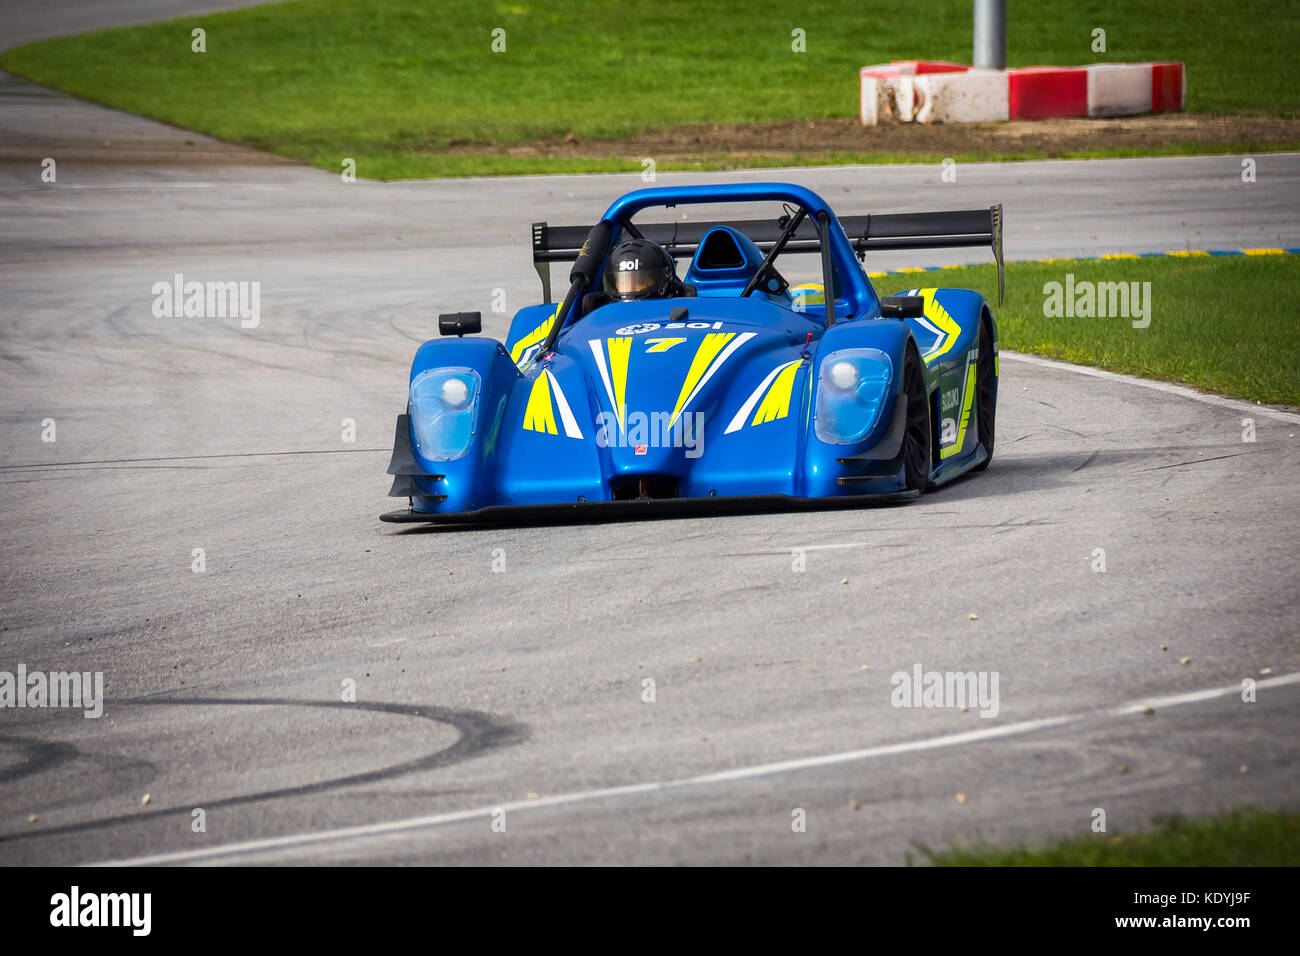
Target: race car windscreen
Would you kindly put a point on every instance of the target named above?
(693, 220)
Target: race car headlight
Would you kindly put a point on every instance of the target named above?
(455, 393)
(851, 391)
(443, 409)
(844, 375)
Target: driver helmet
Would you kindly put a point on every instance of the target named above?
(639, 269)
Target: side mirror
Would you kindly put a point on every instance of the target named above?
(902, 307)
(460, 323)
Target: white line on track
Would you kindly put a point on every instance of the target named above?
(725, 776)
(1267, 411)
(1197, 696)
(823, 547)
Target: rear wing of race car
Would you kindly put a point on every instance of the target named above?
(920, 230)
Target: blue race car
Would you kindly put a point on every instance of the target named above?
(642, 391)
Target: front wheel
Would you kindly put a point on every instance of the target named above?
(916, 440)
(986, 394)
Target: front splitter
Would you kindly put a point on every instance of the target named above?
(646, 508)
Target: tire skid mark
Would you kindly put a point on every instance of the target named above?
(480, 732)
(39, 756)
(1088, 461)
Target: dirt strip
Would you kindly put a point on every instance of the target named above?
(826, 138)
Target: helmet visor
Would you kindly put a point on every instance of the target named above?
(632, 281)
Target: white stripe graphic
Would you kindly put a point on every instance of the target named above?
(740, 340)
(926, 322)
(566, 414)
(598, 350)
(739, 421)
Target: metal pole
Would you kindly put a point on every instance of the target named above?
(991, 34)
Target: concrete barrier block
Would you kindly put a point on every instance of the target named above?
(971, 97)
(1119, 89)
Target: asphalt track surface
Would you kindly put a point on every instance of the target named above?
(521, 690)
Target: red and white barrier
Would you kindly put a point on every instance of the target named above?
(932, 91)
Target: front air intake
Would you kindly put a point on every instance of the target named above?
(634, 487)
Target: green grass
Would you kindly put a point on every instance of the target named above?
(392, 83)
(1243, 838)
(1222, 324)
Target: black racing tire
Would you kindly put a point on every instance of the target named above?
(986, 395)
(917, 438)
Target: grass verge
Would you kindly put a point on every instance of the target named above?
(1224, 324)
(1242, 838)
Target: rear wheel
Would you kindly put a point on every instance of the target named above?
(916, 440)
(986, 394)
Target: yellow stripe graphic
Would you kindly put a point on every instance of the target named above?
(713, 343)
(662, 345)
(937, 314)
(619, 352)
(776, 403)
(539, 416)
(532, 338)
(965, 415)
